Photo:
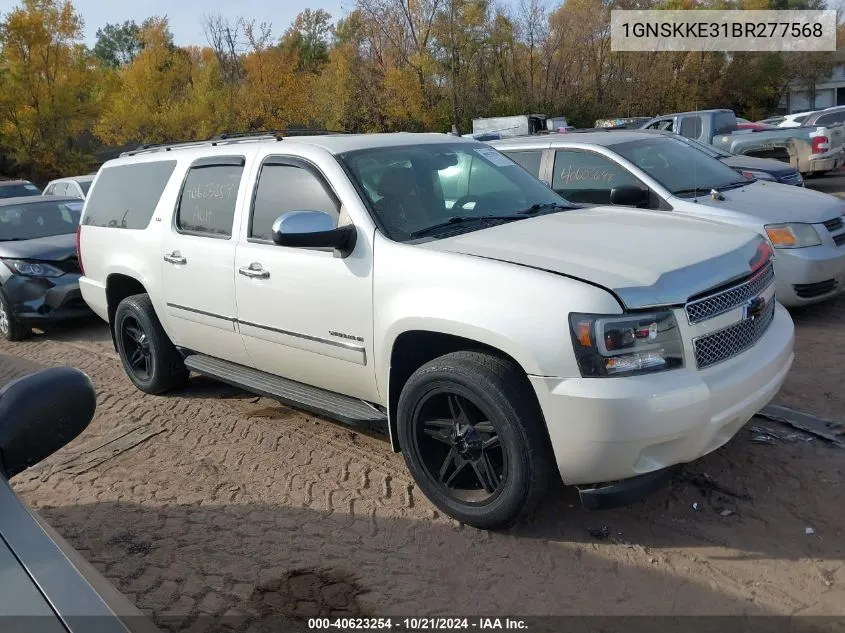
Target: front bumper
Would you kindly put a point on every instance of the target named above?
(42, 300)
(610, 429)
(809, 275)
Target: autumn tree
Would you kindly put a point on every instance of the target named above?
(49, 83)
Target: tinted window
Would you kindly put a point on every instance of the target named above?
(800, 119)
(18, 190)
(414, 188)
(587, 178)
(691, 126)
(38, 219)
(85, 186)
(283, 188)
(660, 158)
(833, 117)
(530, 161)
(127, 195)
(724, 122)
(207, 203)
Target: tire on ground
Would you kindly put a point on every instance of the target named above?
(168, 369)
(500, 388)
(14, 331)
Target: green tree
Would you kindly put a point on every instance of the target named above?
(308, 38)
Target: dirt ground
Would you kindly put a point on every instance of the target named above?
(212, 501)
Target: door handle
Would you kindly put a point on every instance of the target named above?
(175, 258)
(255, 271)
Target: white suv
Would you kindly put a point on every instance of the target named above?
(428, 282)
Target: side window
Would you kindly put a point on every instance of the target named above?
(283, 188)
(59, 189)
(724, 122)
(660, 124)
(207, 203)
(528, 160)
(48, 190)
(833, 117)
(126, 196)
(691, 127)
(587, 178)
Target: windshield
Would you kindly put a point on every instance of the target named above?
(413, 188)
(660, 158)
(707, 149)
(39, 219)
(18, 190)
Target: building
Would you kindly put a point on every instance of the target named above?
(828, 93)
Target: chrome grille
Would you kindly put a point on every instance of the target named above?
(834, 225)
(735, 339)
(726, 300)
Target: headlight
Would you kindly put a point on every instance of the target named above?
(758, 175)
(793, 235)
(608, 346)
(32, 269)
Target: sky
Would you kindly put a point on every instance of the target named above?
(185, 15)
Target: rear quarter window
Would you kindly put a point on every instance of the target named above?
(126, 196)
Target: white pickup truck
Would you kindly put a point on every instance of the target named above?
(430, 284)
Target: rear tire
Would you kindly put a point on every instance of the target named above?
(10, 328)
(474, 438)
(148, 356)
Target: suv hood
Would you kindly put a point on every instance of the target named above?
(647, 258)
(775, 202)
(49, 249)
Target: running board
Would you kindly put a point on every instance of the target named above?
(296, 394)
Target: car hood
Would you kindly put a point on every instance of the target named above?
(768, 165)
(646, 258)
(50, 249)
(773, 202)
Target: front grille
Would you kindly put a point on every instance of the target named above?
(839, 240)
(808, 291)
(730, 298)
(792, 179)
(735, 339)
(834, 225)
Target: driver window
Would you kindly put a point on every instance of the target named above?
(587, 178)
(283, 188)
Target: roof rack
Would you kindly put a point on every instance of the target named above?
(228, 138)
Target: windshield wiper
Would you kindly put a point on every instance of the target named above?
(692, 190)
(534, 209)
(736, 185)
(463, 219)
(13, 239)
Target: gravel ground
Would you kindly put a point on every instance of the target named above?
(211, 501)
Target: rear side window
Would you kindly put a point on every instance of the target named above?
(724, 122)
(691, 126)
(207, 203)
(283, 188)
(529, 161)
(833, 117)
(126, 196)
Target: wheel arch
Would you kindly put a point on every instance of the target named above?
(118, 287)
(413, 348)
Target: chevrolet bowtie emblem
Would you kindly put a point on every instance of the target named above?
(753, 308)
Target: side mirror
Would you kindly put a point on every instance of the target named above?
(40, 413)
(313, 229)
(628, 195)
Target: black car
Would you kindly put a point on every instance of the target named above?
(17, 189)
(45, 585)
(39, 275)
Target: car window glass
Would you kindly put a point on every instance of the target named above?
(284, 188)
(724, 122)
(60, 189)
(85, 186)
(529, 160)
(833, 117)
(801, 119)
(37, 220)
(207, 202)
(126, 196)
(691, 126)
(587, 178)
(48, 190)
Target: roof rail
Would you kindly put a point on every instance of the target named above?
(228, 138)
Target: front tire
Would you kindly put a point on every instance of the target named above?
(10, 328)
(148, 356)
(473, 438)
